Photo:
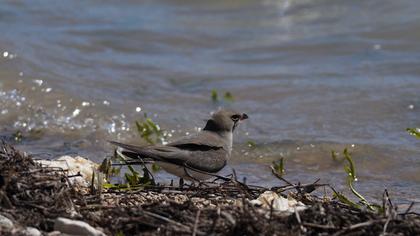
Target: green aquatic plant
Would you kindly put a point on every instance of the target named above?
(214, 96)
(414, 131)
(18, 136)
(278, 167)
(227, 97)
(334, 155)
(149, 130)
(120, 233)
(342, 198)
(133, 179)
(156, 167)
(107, 168)
(350, 169)
(251, 144)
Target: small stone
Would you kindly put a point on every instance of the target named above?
(30, 231)
(5, 222)
(54, 233)
(75, 227)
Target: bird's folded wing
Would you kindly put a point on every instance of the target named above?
(205, 158)
(206, 140)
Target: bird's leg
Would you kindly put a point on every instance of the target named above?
(227, 178)
(186, 167)
(204, 172)
(145, 169)
(181, 183)
(188, 174)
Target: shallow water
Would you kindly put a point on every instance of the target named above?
(313, 76)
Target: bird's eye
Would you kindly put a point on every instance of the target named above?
(236, 118)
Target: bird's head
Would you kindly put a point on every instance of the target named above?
(224, 121)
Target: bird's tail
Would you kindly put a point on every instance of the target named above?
(125, 146)
(134, 152)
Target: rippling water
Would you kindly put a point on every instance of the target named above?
(313, 76)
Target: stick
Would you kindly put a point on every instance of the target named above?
(197, 217)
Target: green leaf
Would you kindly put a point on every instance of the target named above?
(120, 233)
(149, 131)
(155, 128)
(228, 97)
(251, 144)
(108, 186)
(357, 194)
(18, 136)
(214, 96)
(334, 155)
(345, 200)
(279, 166)
(116, 186)
(107, 169)
(414, 131)
(146, 179)
(132, 178)
(351, 172)
(350, 169)
(155, 167)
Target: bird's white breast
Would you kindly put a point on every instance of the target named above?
(229, 139)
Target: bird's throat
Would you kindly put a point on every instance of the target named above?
(228, 137)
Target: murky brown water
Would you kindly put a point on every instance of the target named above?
(312, 75)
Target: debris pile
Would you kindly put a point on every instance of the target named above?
(36, 199)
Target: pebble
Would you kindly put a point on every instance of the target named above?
(54, 233)
(5, 222)
(270, 199)
(30, 231)
(75, 227)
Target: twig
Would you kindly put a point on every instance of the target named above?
(197, 217)
(279, 176)
(386, 224)
(170, 221)
(302, 228)
(216, 220)
(132, 163)
(408, 209)
(312, 225)
(359, 225)
(228, 217)
(4, 199)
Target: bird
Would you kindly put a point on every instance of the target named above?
(196, 157)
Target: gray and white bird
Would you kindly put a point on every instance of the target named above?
(195, 157)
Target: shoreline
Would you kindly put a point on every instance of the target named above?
(44, 200)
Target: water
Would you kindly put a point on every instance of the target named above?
(313, 76)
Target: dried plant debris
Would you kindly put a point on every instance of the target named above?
(35, 197)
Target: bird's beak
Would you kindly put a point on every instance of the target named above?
(244, 116)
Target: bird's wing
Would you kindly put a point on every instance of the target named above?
(211, 159)
(202, 141)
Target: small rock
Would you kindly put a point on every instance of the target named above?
(73, 166)
(281, 204)
(75, 227)
(5, 222)
(30, 231)
(270, 199)
(54, 233)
